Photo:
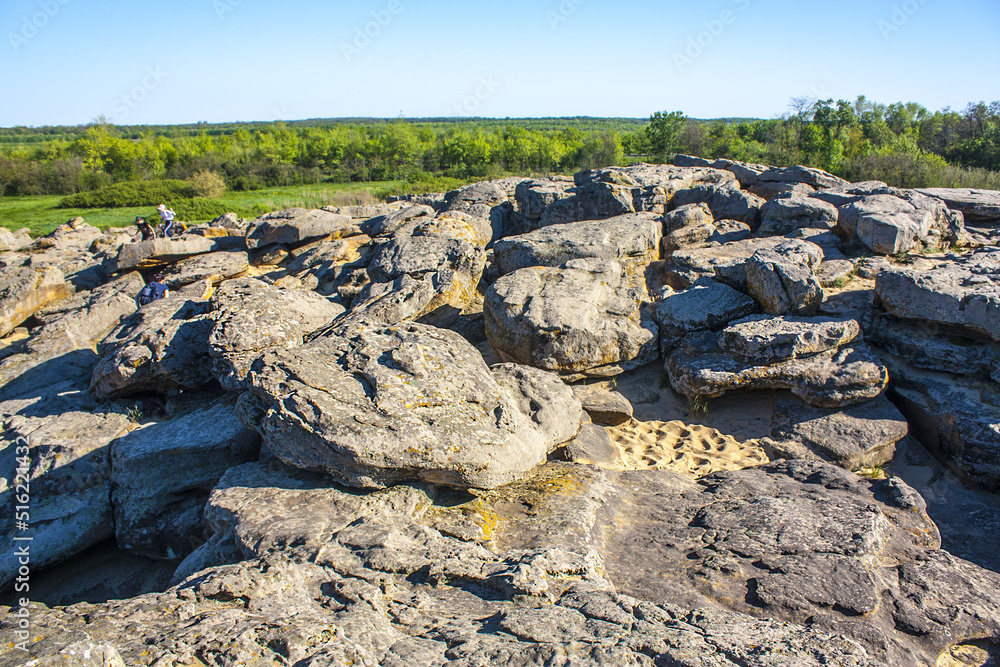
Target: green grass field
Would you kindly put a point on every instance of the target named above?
(41, 214)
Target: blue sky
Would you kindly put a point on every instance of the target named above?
(155, 62)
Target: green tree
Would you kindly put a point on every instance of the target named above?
(663, 132)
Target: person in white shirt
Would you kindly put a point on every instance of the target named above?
(167, 216)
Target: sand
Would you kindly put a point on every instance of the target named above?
(688, 449)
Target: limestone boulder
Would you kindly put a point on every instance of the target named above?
(250, 317)
(817, 178)
(727, 262)
(781, 216)
(25, 288)
(389, 223)
(705, 306)
(767, 340)
(159, 252)
(726, 202)
(295, 225)
(783, 283)
(14, 241)
(377, 407)
(893, 221)
(162, 474)
(417, 255)
(584, 319)
(590, 201)
(976, 205)
(831, 379)
(213, 266)
(533, 197)
(432, 298)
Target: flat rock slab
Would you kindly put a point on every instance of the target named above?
(162, 474)
(853, 437)
(584, 319)
(436, 298)
(767, 340)
(835, 378)
(417, 255)
(633, 240)
(389, 223)
(382, 406)
(817, 178)
(976, 205)
(782, 216)
(705, 306)
(161, 347)
(26, 288)
(157, 252)
(603, 406)
(296, 225)
(965, 292)
(251, 317)
(213, 266)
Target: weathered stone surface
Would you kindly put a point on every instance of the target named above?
(781, 216)
(835, 378)
(705, 306)
(687, 225)
(14, 241)
(890, 220)
(783, 283)
(68, 477)
(551, 404)
(25, 288)
(725, 201)
(817, 178)
(632, 240)
(727, 263)
(161, 347)
(766, 340)
(583, 319)
(417, 255)
(389, 223)
(852, 437)
(163, 472)
(964, 292)
(533, 197)
(835, 273)
(157, 252)
(381, 406)
(590, 201)
(955, 417)
(214, 266)
(251, 317)
(975, 205)
(591, 446)
(433, 298)
(603, 406)
(295, 225)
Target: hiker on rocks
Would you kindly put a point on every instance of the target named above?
(167, 216)
(144, 228)
(154, 290)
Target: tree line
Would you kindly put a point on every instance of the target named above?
(904, 144)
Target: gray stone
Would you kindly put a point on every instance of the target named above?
(726, 263)
(766, 340)
(964, 292)
(705, 306)
(781, 216)
(835, 273)
(975, 205)
(214, 266)
(295, 225)
(852, 437)
(251, 317)
(389, 223)
(162, 474)
(632, 240)
(14, 241)
(382, 406)
(161, 347)
(593, 446)
(730, 230)
(816, 178)
(591, 201)
(417, 255)
(603, 406)
(581, 320)
(687, 225)
(893, 221)
(783, 283)
(725, 201)
(158, 252)
(26, 288)
(432, 298)
(831, 379)
(533, 197)
(551, 404)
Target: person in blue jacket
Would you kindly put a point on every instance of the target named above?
(154, 289)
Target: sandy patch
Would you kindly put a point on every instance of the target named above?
(689, 449)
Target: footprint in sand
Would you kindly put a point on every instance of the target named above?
(676, 446)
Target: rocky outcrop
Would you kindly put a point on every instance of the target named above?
(296, 225)
(584, 319)
(162, 473)
(783, 282)
(250, 317)
(726, 263)
(725, 201)
(834, 378)
(767, 340)
(390, 223)
(214, 267)
(781, 216)
(26, 288)
(533, 197)
(817, 178)
(14, 241)
(632, 240)
(159, 252)
(378, 407)
(704, 306)
(976, 205)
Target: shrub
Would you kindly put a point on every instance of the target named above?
(207, 184)
(130, 193)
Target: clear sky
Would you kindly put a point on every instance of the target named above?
(182, 61)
